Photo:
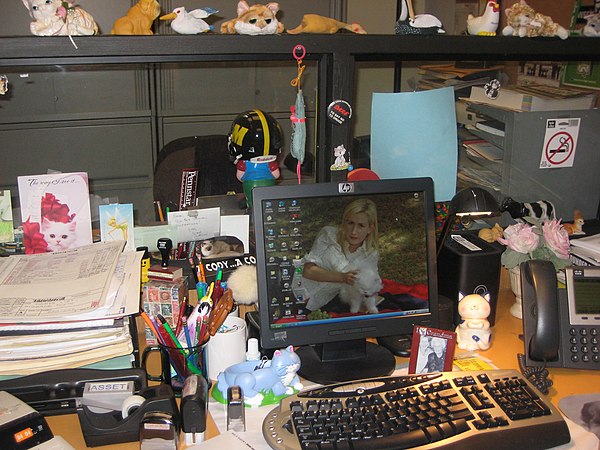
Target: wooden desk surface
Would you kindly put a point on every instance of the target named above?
(505, 346)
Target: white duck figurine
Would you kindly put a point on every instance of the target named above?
(408, 23)
(487, 23)
(184, 22)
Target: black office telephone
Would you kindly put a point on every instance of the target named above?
(561, 326)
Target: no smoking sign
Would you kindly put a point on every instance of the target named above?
(560, 142)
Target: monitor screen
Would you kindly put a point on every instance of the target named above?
(338, 263)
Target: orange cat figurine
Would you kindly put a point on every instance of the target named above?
(577, 226)
(254, 20)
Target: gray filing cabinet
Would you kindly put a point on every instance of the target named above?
(519, 174)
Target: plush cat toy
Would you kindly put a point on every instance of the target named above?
(254, 20)
(473, 332)
(59, 18)
(592, 25)
(259, 378)
(523, 21)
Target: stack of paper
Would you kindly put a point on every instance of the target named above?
(435, 76)
(586, 250)
(67, 309)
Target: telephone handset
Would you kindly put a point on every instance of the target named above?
(561, 326)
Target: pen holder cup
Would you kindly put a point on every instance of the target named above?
(175, 364)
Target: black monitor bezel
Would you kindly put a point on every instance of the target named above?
(339, 331)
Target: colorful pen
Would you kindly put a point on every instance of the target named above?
(218, 289)
(150, 325)
(182, 309)
(177, 344)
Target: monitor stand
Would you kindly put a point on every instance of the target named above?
(335, 362)
(399, 345)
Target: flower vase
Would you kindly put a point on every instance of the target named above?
(515, 283)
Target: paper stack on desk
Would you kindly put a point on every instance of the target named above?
(585, 251)
(67, 309)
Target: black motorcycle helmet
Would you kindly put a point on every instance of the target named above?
(254, 133)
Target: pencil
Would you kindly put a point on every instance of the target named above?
(202, 274)
(161, 216)
(150, 325)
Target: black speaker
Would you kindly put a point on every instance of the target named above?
(470, 265)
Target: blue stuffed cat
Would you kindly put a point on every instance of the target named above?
(257, 378)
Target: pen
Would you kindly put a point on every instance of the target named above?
(182, 309)
(177, 359)
(218, 289)
(188, 340)
(200, 286)
(177, 344)
(201, 268)
(206, 303)
(150, 325)
(203, 326)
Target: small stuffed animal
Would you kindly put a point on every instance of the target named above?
(254, 20)
(487, 23)
(540, 211)
(577, 226)
(138, 19)
(59, 18)
(363, 292)
(491, 234)
(473, 332)
(313, 23)
(257, 378)
(243, 284)
(592, 25)
(523, 21)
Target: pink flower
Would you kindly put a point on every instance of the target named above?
(557, 238)
(520, 237)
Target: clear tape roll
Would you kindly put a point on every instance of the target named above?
(130, 404)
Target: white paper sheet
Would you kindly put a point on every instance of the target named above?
(45, 286)
(195, 224)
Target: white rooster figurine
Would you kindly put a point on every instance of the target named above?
(184, 22)
(486, 24)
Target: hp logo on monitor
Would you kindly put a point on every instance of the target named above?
(345, 188)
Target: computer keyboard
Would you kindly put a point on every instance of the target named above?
(495, 409)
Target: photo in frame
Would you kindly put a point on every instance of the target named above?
(432, 350)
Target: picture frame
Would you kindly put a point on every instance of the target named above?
(432, 350)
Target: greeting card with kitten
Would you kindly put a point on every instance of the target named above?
(55, 211)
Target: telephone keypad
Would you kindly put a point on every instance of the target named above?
(584, 345)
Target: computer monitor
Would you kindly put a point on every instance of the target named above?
(376, 239)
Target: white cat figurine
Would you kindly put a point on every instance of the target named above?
(364, 291)
(59, 235)
(473, 332)
(59, 18)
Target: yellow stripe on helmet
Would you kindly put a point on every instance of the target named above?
(266, 131)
